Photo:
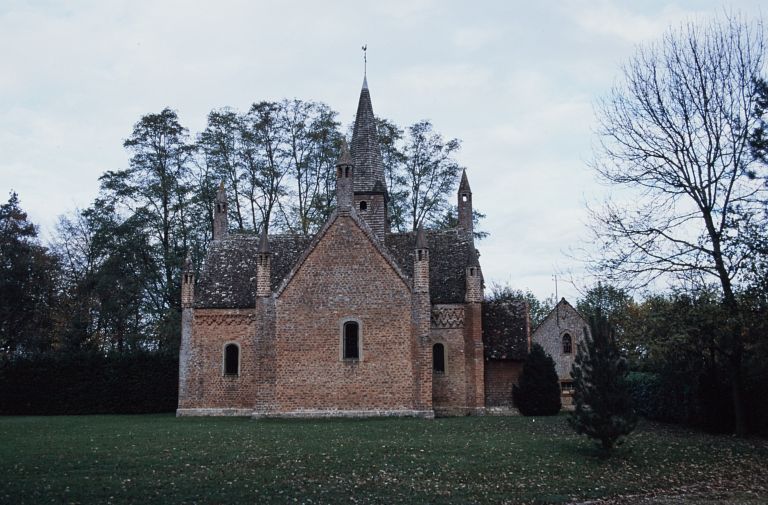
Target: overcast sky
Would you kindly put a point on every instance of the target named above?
(514, 80)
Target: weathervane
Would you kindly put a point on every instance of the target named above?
(365, 60)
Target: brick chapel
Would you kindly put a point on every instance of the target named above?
(354, 321)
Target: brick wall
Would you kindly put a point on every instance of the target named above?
(500, 376)
(206, 385)
(449, 389)
(345, 277)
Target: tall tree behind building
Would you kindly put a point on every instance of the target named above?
(155, 191)
(27, 284)
(678, 127)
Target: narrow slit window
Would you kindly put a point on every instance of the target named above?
(351, 340)
(231, 359)
(438, 358)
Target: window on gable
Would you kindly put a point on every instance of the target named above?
(567, 344)
(351, 340)
(231, 359)
(438, 358)
(363, 205)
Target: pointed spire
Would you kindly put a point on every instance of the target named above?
(464, 186)
(421, 239)
(188, 263)
(264, 241)
(220, 223)
(366, 152)
(474, 258)
(345, 158)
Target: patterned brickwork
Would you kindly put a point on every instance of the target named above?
(284, 300)
(448, 316)
(310, 372)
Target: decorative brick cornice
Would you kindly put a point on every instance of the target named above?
(224, 319)
(448, 317)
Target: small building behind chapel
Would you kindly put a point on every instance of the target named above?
(559, 334)
(353, 321)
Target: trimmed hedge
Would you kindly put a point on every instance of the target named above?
(89, 383)
(654, 399)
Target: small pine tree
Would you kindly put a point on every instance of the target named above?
(601, 394)
(538, 390)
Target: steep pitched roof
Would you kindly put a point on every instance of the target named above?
(449, 255)
(366, 152)
(563, 304)
(505, 330)
(228, 276)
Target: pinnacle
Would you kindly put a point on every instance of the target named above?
(188, 263)
(421, 240)
(464, 185)
(264, 242)
(474, 258)
(345, 158)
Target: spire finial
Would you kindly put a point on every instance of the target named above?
(365, 66)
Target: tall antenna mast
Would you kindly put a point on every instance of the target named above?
(557, 302)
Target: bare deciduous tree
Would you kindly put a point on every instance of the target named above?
(677, 131)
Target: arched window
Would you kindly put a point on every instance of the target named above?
(567, 344)
(351, 340)
(438, 358)
(231, 359)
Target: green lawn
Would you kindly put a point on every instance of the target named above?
(162, 459)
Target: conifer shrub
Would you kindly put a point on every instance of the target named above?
(601, 392)
(538, 390)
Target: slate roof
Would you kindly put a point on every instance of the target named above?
(505, 330)
(449, 254)
(366, 153)
(228, 277)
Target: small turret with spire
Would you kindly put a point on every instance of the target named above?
(220, 222)
(264, 266)
(465, 204)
